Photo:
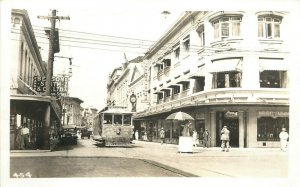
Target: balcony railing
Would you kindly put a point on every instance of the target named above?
(223, 96)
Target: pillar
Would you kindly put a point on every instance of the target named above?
(213, 128)
(46, 128)
(241, 129)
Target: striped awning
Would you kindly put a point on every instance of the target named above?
(273, 64)
(226, 65)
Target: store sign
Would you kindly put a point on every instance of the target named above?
(230, 114)
(273, 114)
(39, 85)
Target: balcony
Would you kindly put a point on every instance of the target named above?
(225, 96)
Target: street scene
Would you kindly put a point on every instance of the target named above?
(149, 93)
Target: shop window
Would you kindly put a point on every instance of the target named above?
(268, 128)
(167, 62)
(269, 27)
(273, 79)
(185, 86)
(176, 89)
(127, 120)
(227, 80)
(107, 119)
(117, 119)
(226, 27)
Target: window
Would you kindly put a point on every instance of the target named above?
(269, 27)
(227, 80)
(273, 79)
(168, 93)
(127, 120)
(201, 36)
(160, 96)
(167, 62)
(268, 128)
(117, 119)
(226, 27)
(186, 85)
(176, 89)
(107, 119)
(186, 43)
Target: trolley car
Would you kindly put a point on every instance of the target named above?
(113, 127)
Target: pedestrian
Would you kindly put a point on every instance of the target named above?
(225, 138)
(195, 138)
(283, 135)
(24, 137)
(201, 136)
(162, 135)
(206, 138)
(137, 135)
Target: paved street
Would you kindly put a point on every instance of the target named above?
(150, 159)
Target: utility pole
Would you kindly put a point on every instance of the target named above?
(52, 19)
(47, 118)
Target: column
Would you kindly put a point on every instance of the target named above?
(241, 129)
(46, 127)
(213, 128)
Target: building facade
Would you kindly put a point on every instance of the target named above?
(88, 116)
(223, 68)
(40, 113)
(72, 116)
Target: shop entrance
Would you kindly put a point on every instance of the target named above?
(231, 120)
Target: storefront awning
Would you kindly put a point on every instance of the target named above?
(158, 92)
(173, 85)
(226, 65)
(199, 73)
(35, 100)
(273, 64)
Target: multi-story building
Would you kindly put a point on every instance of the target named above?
(88, 116)
(223, 68)
(72, 116)
(27, 106)
(126, 86)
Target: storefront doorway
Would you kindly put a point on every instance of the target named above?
(231, 120)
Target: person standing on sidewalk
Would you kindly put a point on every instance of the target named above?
(206, 138)
(162, 135)
(136, 135)
(283, 135)
(195, 138)
(24, 137)
(225, 137)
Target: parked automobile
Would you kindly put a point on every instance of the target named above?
(85, 133)
(69, 137)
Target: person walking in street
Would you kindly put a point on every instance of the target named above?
(162, 135)
(225, 138)
(283, 135)
(137, 135)
(201, 136)
(195, 138)
(206, 138)
(24, 137)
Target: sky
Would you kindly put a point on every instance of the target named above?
(130, 31)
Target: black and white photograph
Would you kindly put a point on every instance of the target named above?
(149, 93)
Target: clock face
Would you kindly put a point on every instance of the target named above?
(132, 99)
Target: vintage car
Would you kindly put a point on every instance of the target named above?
(69, 137)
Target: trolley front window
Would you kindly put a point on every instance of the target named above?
(107, 119)
(127, 120)
(117, 119)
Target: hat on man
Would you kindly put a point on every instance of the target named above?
(162, 128)
(206, 129)
(284, 129)
(225, 126)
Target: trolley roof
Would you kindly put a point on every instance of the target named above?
(116, 111)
